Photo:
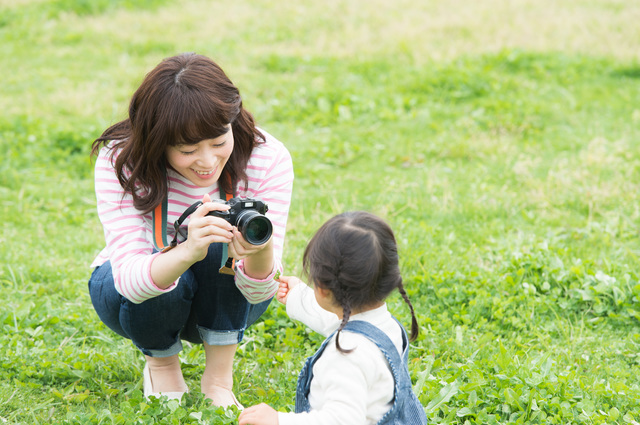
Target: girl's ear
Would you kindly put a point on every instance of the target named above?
(325, 293)
(324, 296)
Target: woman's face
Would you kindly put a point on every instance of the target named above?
(203, 162)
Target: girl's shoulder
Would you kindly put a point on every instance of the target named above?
(365, 354)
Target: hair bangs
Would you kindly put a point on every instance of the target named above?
(196, 117)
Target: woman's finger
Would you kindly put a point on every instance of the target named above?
(241, 248)
(237, 250)
(208, 206)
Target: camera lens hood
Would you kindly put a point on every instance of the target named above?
(255, 227)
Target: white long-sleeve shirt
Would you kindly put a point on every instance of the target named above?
(129, 233)
(350, 389)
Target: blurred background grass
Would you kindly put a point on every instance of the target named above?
(499, 139)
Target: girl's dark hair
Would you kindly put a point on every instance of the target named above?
(355, 256)
(184, 100)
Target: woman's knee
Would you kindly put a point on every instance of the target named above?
(105, 299)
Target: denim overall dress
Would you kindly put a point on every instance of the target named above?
(406, 408)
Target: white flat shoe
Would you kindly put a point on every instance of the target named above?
(232, 401)
(148, 387)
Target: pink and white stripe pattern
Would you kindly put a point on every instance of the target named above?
(128, 232)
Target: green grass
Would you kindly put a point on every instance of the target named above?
(498, 139)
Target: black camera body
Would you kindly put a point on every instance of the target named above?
(248, 215)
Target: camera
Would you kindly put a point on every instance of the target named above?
(247, 214)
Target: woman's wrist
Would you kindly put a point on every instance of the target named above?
(170, 267)
(260, 264)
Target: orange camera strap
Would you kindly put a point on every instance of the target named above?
(159, 224)
(227, 264)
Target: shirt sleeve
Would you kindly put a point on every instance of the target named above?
(270, 178)
(257, 290)
(302, 306)
(126, 233)
(341, 383)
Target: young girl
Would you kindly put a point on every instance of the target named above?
(187, 139)
(359, 375)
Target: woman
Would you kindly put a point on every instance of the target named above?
(187, 140)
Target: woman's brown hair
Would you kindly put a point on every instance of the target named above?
(355, 256)
(184, 100)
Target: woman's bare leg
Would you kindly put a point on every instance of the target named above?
(217, 379)
(166, 375)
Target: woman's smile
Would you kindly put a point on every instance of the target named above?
(203, 162)
(204, 174)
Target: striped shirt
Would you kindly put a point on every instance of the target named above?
(128, 232)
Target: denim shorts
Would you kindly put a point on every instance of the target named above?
(205, 306)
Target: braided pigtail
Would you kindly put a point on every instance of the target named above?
(341, 296)
(346, 313)
(415, 330)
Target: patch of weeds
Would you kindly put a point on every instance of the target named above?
(28, 144)
(627, 72)
(578, 287)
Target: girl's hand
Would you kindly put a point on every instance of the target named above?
(287, 283)
(261, 414)
(205, 230)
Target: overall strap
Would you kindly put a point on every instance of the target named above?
(306, 376)
(159, 222)
(380, 338)
(406, 408)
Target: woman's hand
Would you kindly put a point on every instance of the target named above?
(205, 230)
(258, 259)
(261, 414)
(239, 248)
(287, 283)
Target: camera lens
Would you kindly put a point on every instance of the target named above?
(255, 227)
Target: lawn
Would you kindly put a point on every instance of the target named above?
(500, 139)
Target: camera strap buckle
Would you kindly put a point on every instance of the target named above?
(227, 264)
